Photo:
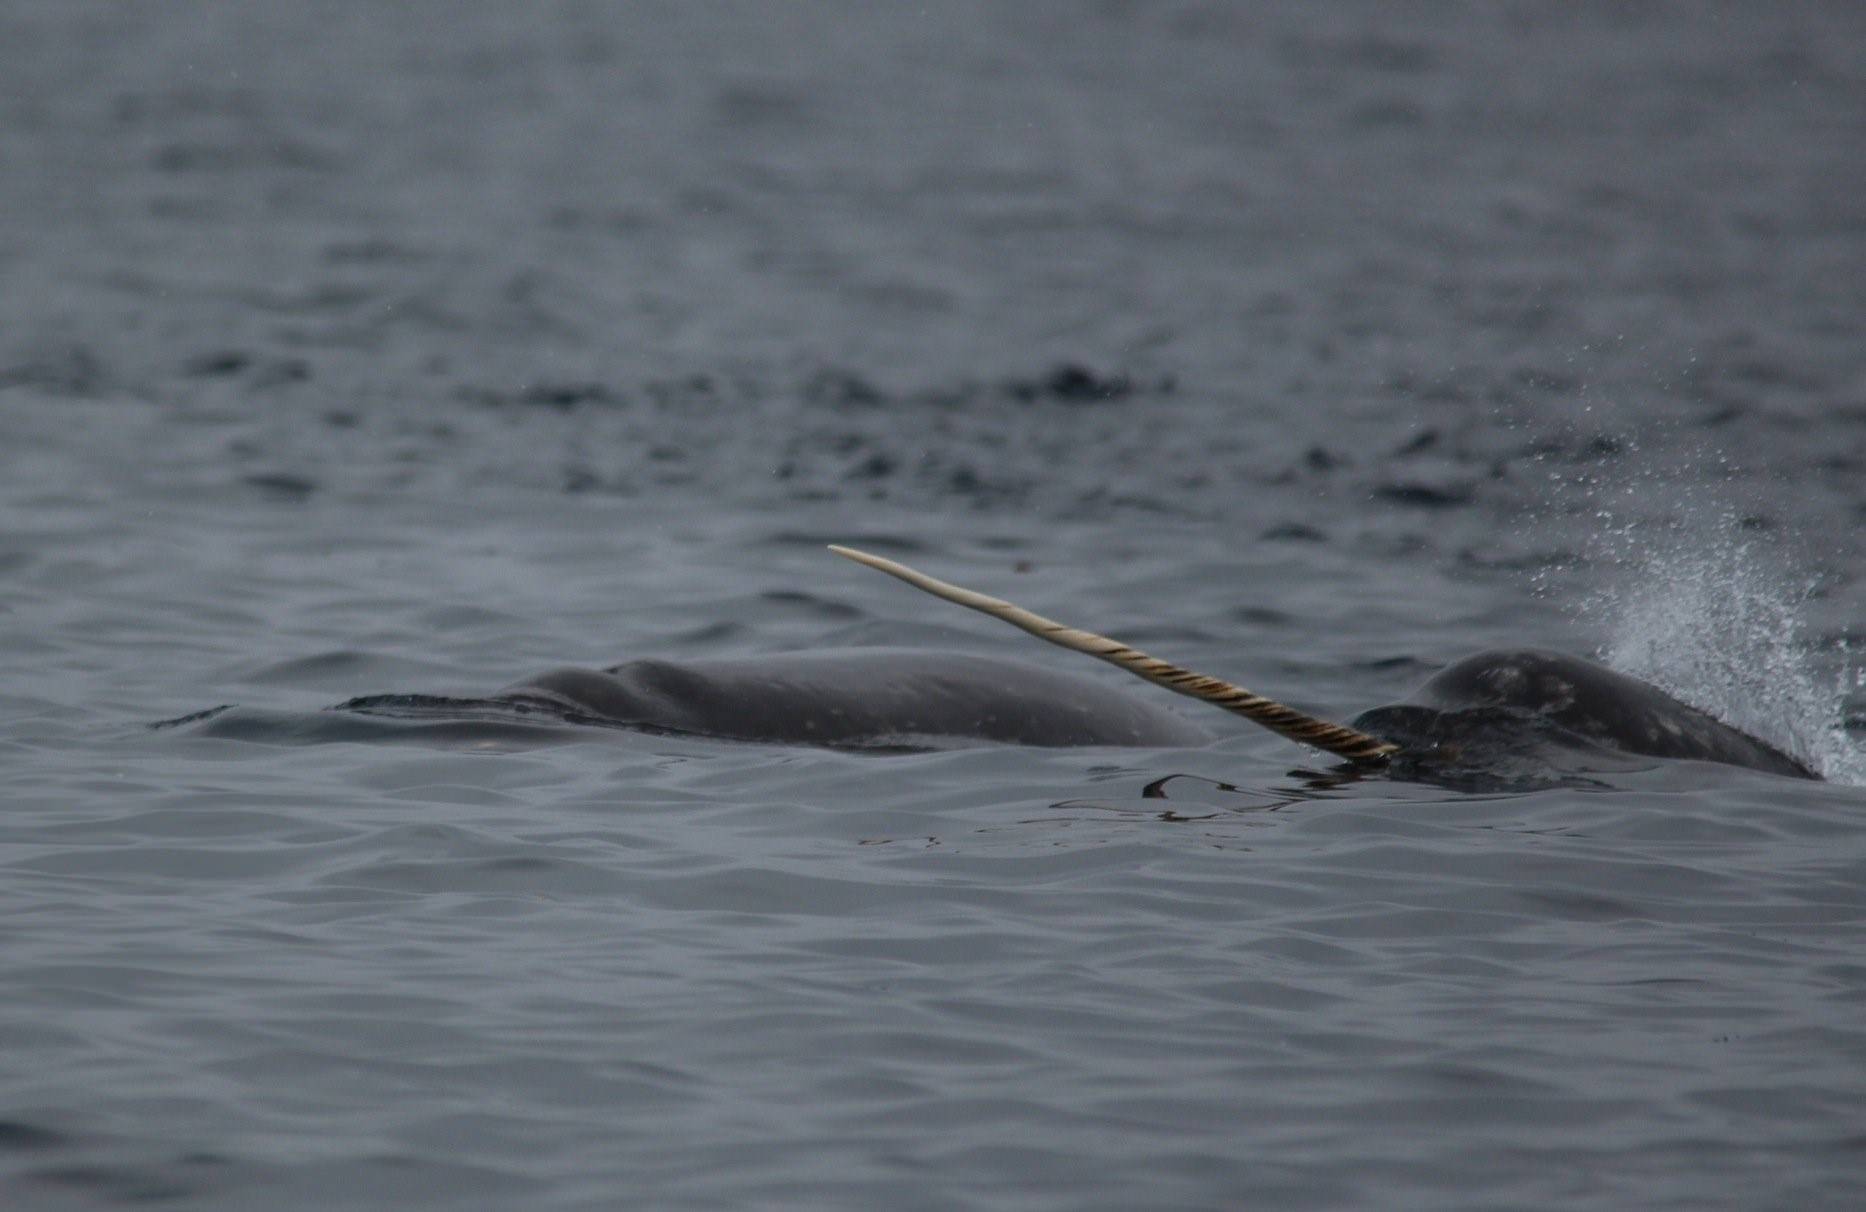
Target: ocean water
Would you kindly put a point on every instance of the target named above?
(348, 349)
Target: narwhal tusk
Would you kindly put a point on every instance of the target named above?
(1337, 739)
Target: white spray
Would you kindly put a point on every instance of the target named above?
(1702, 610)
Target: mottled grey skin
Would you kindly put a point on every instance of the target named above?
(1465, 713)
(862, 696)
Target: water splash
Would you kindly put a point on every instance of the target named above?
(1704, 610)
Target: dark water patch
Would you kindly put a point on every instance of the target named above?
(20, 1136)
(218, 364)
(260, 373)
(1574, 448)
(1441, 495)
(281, 485)
(1072, 383)
(1101, 503)
(1294, 532)
(892, 543)
(560, 396)
(72, 370)
(1262, 616)
(1516, 561)
(123, 1184)
(1322, 459)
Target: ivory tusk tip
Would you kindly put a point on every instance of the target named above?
(864, 557)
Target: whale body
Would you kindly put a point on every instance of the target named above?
(854, 697)
(1485, 710)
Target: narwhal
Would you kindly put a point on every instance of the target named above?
(1482, 713)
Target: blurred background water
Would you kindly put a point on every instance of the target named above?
(349, 348)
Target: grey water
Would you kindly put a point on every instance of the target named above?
(349, 349)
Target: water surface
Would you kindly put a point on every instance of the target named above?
(422, 349)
